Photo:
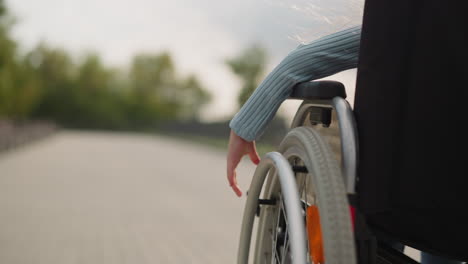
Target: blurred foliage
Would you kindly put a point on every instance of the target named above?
(249, 66)
(47, 83)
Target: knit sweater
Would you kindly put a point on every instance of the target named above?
(323, 57)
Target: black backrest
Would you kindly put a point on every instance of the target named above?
(410, 109)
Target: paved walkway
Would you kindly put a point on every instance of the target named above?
(105, 198)
(80, 197)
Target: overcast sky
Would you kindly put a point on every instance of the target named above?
(200, 34)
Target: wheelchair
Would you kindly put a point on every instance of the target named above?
(300, 201)
(311, 203)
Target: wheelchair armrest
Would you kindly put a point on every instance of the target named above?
(323, 90)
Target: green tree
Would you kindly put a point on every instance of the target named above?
(2, 8)
(99, 104)
(249, 66)
(192, 97)
(46, 83)
(7, 62)
(158, 89)
(55, 73)
(150, 73)
(151, 77)
(18, 91)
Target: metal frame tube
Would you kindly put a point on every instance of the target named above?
(292, 202)
(349, 142)
(348, 135)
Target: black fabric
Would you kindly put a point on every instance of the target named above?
(366, 242)
(410, 107)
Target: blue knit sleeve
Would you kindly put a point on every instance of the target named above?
(325, 56)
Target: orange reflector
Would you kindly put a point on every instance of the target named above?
(314, 233)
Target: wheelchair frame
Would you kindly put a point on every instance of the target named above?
(348, 132)
(320, 99)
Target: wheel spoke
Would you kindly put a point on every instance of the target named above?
(275, 234)
(283, 211)
(277, 258)
(286, 249)
(300, 148)
(280, 234)
(285, 246)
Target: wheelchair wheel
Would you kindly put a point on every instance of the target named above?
(324, 202)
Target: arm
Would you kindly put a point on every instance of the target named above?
(323, 57)
(326, 56)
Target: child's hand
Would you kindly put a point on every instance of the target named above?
(238, 147)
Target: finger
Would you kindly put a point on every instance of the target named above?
(235, 187)
(237, 190)
(232, 162)
(230, 176)
(231, 169)
(253, 154)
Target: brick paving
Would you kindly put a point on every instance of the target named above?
(79, 197)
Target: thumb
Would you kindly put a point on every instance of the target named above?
(253, 154)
